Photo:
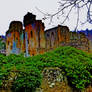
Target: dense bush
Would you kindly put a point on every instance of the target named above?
(27, 80)
(76, 65)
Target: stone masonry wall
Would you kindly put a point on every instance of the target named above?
(33, 40)
(55, 81)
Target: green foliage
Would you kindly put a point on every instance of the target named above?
(27, 77)
(76, 65)
(2, 44)
(27, 80)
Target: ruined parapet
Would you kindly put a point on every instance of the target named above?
(13, 41)
(74, 39)
(51, 36)
(84, 42)
(90, 46)
(57, 36)
(34, 35)
(89, 36)
(29, 18)
(41, 36)
(79, 41)
(15, 26)
(64, 35)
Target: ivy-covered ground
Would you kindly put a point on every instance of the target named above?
(27, 71)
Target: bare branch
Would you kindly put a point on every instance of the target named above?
(69, 5)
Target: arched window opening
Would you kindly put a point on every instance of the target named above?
(52, 39)
(47, 35)
(52, 34)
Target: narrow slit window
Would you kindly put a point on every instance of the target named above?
(28, 41)
(31, 34)
(8, 42)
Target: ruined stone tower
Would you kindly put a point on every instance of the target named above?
(34, 35)
(14, 38)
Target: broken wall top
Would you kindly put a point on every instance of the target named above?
(15, 26)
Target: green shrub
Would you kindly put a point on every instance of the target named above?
(27, 80)
(76, 65)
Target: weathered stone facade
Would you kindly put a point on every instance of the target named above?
(88, 34)
(55, 37)
(14, 38)
(34, 35)
(79, 41)
(34, 40)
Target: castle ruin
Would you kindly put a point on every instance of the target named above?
(31, 39)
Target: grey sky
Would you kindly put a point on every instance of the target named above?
(15, 10)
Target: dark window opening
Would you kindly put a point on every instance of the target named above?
(17, 39)
(32, 54)
(11, 47)
(14, 36)
(28, 41)
(39, 37)
(8, 42)
(52, 39)
(52, 34)
(47, 35)
(31, 34)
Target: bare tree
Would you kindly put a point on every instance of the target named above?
(69, 5)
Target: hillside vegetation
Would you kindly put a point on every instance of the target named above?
(26, 72)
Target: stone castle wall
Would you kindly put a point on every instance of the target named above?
(34, 40)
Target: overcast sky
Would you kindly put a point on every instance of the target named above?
(15, 10)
